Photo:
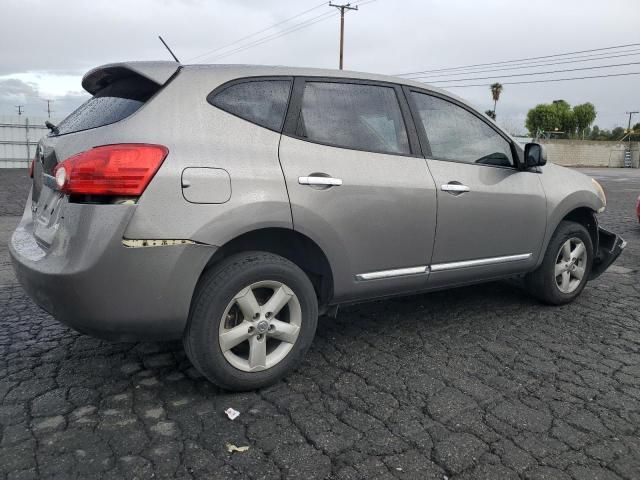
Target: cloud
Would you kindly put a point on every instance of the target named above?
(386, 36)
(14, 92)
(14, 88)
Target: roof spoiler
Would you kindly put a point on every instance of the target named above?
(158, 72)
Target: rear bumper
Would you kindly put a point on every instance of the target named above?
(88, 280)
(610, 247)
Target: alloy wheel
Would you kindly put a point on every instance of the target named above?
(571, 263)
(260, 326)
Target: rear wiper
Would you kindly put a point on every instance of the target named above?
(51, 127)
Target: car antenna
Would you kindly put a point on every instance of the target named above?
(167, 47)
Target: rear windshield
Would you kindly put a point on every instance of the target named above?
(111, 104)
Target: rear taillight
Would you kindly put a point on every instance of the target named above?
(114, 170)
(31, 166)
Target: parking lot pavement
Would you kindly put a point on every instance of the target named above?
(14, 188)
(478, 382)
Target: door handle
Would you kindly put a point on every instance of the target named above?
(455, 188)
(320, 181)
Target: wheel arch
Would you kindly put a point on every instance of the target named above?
(585, 215)
(290, 244)
(587, 218)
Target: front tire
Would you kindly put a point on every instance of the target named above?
(252, 319)
(566, 266)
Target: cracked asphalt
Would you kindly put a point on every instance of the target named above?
(477, 382)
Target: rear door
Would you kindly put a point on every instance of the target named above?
(491, 215)
(358, 185)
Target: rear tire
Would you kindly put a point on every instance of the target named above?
(566, 266)
(252, 319)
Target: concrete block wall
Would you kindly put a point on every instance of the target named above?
(590, 153)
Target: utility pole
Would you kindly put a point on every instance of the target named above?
(631, 114)
(19, 107)
(48, 107)
(342, 8)
(627, 155)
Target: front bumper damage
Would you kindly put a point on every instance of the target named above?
(609, 248)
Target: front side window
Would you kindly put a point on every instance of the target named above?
(456, 134)
(361, 117)
(263, 102)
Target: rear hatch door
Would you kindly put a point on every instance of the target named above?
(118, 91)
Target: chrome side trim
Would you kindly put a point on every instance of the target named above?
(439, 267)
(397, 272)
(139, 243)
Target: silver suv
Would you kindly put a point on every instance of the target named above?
(231, 205)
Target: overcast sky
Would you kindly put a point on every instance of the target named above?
(46, 46)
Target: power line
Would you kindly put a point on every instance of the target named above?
(546, 80)
(292, 29)
(257, 32)
(526, 65)
(518, 60)
(546, 62)
(536, 73)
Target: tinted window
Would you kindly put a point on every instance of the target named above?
(111, 104)
(456, 134)
(263, 102)
(363, 117)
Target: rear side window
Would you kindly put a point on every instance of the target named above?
(111, 104)
(362, 117)
(263, 102)
(456, 134)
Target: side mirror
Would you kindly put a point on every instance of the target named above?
(534, 155)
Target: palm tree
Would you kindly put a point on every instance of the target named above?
(496, 90)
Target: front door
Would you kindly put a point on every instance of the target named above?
(491, 216)
(358, 186)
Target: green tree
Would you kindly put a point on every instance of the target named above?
(617, 133)
(496, 90)
(565, 117)
(558, 116)
(604, 135)
(490, 114)
(584, 115)
(542, 118)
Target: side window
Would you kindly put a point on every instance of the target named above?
(259, 101)
(456, 134)
(362, 117)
